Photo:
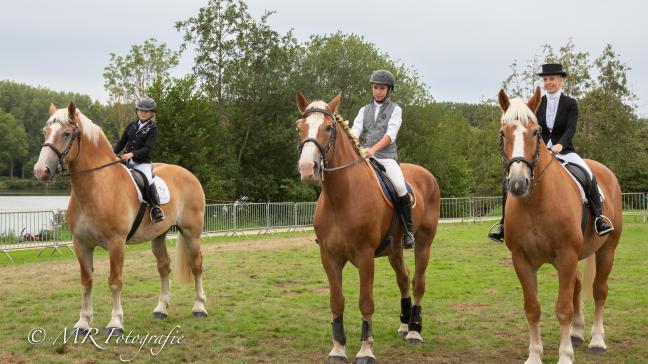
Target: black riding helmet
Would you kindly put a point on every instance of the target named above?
(383, 77)
(145, 104)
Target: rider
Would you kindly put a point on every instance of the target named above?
(139, 138)
(557, 116)
(379, 122)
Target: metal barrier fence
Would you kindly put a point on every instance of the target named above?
(47, 229)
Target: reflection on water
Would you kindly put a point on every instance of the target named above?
(25, 202)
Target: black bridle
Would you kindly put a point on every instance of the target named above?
(532, 164)
(324, 150)
(61, 165)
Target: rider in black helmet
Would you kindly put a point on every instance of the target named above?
(378, 124)
(138, 139)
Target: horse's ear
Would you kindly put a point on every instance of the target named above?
(52, 108)
(302, 102)
(72, 110)
(534, 101)
(503, 100)
(333, 104)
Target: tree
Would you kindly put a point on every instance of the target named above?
(13, 141)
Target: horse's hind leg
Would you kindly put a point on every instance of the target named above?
(578, 323)
(190, 264)
(604, 261)
(158, 245)
(84, 255)
(402, 278)
(333, 267)
(421, 260)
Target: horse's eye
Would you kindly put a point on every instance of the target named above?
(536, 132)
(67, 134)
(329, 127)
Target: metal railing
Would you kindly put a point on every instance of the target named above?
(47, 229)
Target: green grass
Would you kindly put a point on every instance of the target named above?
(268, 303)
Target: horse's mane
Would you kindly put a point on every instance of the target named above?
(91, 130)
(518, 111)
(354, 141)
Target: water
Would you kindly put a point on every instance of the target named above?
(34, 200)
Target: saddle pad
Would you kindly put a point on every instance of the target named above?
(390, 196)
(160, 186)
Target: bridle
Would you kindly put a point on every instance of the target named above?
(61, 165)
(324, 150)
(532, 164)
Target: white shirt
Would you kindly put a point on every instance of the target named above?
(393, 125)
(552, 108)
(141, 124)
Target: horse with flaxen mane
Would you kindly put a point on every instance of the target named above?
(543, 225)
(104, 204)
(352, 219)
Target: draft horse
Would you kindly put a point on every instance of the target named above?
(543, 225)
(351, 220)
(103, 205)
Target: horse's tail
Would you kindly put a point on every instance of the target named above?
(183, 271)
(589, 271)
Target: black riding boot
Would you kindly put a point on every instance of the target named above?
(498, 234)
(156, 212)
(602, 224)
(405, 205)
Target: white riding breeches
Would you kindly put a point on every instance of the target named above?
(575, 159)
(395, 174)
(146, 168)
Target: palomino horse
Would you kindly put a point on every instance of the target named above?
(543, 225)
(103, 205)
(351, 219)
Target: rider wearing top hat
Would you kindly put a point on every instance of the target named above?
(557, 116)
(378, 123)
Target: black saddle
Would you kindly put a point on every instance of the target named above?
(583, 178)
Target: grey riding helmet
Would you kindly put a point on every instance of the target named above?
(145, 104)
(383, 77)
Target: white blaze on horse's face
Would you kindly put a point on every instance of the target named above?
(58, 134)
(519, 130)
(309, 128)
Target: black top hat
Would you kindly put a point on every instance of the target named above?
(552, 69)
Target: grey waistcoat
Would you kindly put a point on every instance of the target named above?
(374, 130)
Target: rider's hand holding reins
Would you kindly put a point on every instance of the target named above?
(555, 149)
(126, 156)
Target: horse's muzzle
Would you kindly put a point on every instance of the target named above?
(309, 171)
(519, 186)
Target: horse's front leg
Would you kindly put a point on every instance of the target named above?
(567, 266)
(84, 255)
(116, 253)
(527, 275)
(366, 268)
(333, 267)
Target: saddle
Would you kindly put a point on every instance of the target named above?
(390, 196)
(580, 175)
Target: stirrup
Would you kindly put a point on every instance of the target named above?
(407, 234)
(490, 232)
(606, 231)
(158, 219)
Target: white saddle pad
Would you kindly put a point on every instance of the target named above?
(160, 186)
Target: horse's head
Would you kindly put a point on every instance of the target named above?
(520, 141)
(62, 141)
(316, 135)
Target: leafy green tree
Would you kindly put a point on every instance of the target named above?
(13, 141)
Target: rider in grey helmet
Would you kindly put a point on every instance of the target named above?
(378, 124)
(137, 141)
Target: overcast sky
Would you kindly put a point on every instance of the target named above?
(462, 49)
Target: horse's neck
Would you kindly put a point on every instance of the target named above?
(548, 180)
(91, 184)
(342, 186)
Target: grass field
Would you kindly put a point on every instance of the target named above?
(268, 303)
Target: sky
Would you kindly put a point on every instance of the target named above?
(461, 49)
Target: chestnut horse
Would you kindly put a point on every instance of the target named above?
(543, 225)
(351, 219)
(103, 205)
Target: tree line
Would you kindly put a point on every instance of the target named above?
(231, 120)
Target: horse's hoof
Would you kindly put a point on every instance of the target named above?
(114, 331)
(367, 360)
(576, 341)
(596, 350)
(199, 314)
(336, 360)
(402, 334)
(80, 331)
(159, 315)
(414, 338)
